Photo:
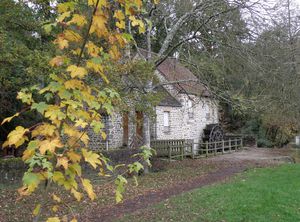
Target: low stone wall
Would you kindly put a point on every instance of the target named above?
(121, 155)
(11, 170)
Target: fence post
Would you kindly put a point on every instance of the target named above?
(215, 148)
(229, 145)
(242, 146)
(223, 145)
(170, 152)
(182, 151)
(206, 148)
(192, 149)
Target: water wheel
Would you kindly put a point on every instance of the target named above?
(213, 133)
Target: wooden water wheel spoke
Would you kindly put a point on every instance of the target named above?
(213, 133)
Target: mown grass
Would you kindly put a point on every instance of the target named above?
(270, 194)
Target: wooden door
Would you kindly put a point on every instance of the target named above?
(125, 129)
(139, 124)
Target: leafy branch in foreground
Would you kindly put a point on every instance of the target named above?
(93, 35)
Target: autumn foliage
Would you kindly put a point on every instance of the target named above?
(93, 35)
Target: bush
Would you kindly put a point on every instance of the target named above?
(263, 142)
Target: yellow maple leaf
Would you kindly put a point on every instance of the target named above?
(138, 3)
(45, 129)
(114, 53)
(72, 36)
(134, 21)
(92, 2)
(137, 22)
(76, 194)
(50, 145)
(119, 15)
(103, 135)
(121, 40)
(58, 177)
(27, 154)
(97, 68)
(85, 138)
(74, 157)
(80, 123)
(53, 219)
(93, 50)
(23, 191)
(94, 67)
(54, 113)
(79, 20)
(36, 209)
(71, 131)
(62, 161)
(120, 24)
(56, 198)
(74, 84)
(91, 157)
(25, 97)
(8, 119)
(63, 16)
(76, 71)
(73, 142)
(16, 137)
(57, 61)
(76, 133)
(66, 6)
(88, 188)
(55, 208)
(61, 42)
(142, 28)
(99, 25)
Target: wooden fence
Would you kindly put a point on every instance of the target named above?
(174, 149)
(224, 146)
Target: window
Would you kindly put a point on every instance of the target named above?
(166, 121)
(190, 109)
(207, 116)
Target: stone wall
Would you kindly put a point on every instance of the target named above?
(114, 132)
(183, 125)
(11, 170)
(185, 122)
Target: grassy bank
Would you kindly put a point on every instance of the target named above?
(271, 194)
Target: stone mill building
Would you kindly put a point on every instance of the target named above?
(183, 113)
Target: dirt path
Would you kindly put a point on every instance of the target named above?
(228, 165)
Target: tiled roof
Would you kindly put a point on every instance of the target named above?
(168, 99)
(173, 71)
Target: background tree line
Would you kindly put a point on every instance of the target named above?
(246, 52)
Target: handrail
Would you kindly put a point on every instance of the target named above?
(180, 148)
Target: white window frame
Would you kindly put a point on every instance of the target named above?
(166, 121)
(208, 116)
(190, 109)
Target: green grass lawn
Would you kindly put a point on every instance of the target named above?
(270, 194)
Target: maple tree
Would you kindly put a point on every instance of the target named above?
(92, 38)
